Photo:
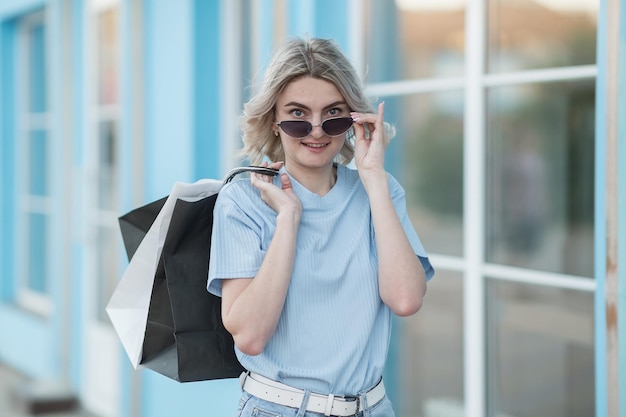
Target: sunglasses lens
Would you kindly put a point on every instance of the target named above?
(296, 128)
(301, 128)
(338, 126)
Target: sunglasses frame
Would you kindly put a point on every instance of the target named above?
(311, 126)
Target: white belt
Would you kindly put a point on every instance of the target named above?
(329, 405)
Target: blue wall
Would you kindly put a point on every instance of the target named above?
(182, 144)
(27, 341)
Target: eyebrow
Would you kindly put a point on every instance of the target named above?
(296, 104)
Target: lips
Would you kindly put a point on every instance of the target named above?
(315, 145)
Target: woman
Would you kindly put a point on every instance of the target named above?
(311, 264)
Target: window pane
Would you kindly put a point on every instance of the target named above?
(415, 39)
(107, 247)
(540, 174)
(37, 253)
(38, 163)
(540, 352)
(430, 352)
(108, 165)
(107, 57)
(37, 68)
(530, 34)
(428, 153)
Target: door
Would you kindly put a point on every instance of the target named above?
(103, 260)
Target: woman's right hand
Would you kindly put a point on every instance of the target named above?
(281, 199)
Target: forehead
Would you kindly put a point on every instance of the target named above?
(312, 92)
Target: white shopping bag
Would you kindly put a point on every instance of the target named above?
(128, 306)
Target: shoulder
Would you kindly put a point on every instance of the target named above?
(240, 200)
(238, 196)
(237, 191)
(352, 178)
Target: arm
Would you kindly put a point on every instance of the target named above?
(251, 308)
(401, 277)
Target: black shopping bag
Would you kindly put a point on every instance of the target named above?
(185, 338)
(182, 335)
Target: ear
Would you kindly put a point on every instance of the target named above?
(275, 129)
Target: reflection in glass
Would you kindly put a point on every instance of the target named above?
(426, 156)
(429, 361)
(108, 62)
(540, 170)
(37, 253)
(532, 34)
(540, 352)
(414, 39)
(108, 166)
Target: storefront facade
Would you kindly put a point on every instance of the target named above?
(510, 148)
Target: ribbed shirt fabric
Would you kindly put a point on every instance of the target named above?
(333, 333)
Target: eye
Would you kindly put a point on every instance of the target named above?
(297, 113)
(335, 112)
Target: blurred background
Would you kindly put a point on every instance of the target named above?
(104, 104)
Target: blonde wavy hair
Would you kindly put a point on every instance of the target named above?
(317, 58)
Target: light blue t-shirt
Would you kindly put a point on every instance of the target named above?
(333, 334)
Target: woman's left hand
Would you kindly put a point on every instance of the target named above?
(369, 152)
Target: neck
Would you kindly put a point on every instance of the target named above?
(319, 181)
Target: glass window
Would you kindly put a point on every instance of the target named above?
(427, 158)
(37, 254)
(107, 244)
(36, 44)
(106, 146)
(430, 353)
(107, 57)
(414, 39)
(540, 351)
(33, 149)
(38, 163)
(531, 34)
(540, 174)
(108, 165)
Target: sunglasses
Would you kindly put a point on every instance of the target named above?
(301, 128)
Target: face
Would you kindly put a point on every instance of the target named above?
(313, 100)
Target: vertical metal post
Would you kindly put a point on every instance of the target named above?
(607, 213)
(474, 207)
(612, 236)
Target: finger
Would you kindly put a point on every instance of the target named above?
(380, 116)
(359, 130)
(285, 182)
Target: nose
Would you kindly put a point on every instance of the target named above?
(317, 131)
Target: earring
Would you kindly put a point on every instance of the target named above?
(276, 133)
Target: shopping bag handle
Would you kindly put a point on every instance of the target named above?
(256, 169)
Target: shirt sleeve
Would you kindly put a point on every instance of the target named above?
(399, 202)
(236, 250)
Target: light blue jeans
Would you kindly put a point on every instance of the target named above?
(250, 406)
